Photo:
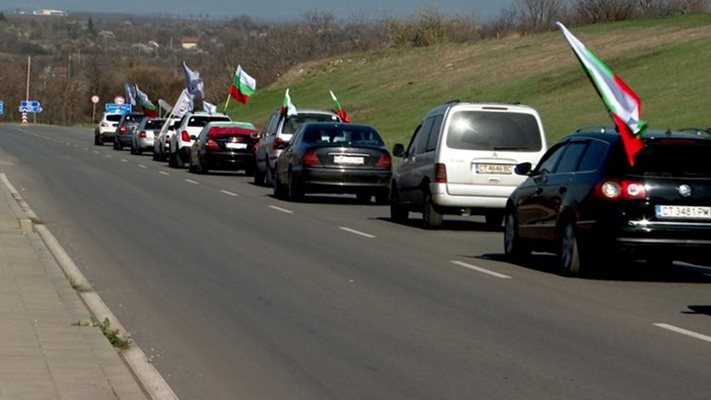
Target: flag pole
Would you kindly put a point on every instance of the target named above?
(227, 102)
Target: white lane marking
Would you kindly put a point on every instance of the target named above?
(109, 156)
(683, 331)
(163, 173)
(96, 152)
(229, 193)
(284, 210)
(192, 181)
(480, 269)
(124, 160)
(86, 148)
(355, 232)
(141, 166)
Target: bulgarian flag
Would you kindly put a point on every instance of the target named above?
(287, 107)
(149, 109)
(340, 111)
(243, 86)
(621, 101)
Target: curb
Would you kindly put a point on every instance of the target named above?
(149, 377)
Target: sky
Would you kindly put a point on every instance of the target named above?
(269, 9)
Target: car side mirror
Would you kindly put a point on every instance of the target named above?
(523, 168)
(399, 150)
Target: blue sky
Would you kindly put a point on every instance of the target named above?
(268, 9)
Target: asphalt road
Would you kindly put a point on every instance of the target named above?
(237, 295)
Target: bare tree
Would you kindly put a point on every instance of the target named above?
(538, 15)
(595, 11)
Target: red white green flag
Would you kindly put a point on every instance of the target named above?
(243, 86)
(287, 107)
(340, 111)
(621, 101)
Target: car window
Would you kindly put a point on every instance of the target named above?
(154, 123)
(271, 126)
(594, 156)
(200, 121)
(342, 135)
(571, 157)
(674, 158)
(422, 139)
(294, 122)
(412, 147)
(433, 136)
(550, 159)
(487, 130)
(113, 117)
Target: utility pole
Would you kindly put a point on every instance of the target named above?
(27, 94)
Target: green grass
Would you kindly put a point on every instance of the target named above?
(665, 60)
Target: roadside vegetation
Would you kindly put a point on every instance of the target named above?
(386, 72)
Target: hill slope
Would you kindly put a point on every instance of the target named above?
(665, 60)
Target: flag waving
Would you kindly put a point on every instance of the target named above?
(621, 101)
(130, 93)
(288, 108)
(340, 111)
(193, 82)
(243, 86)
(149, 109)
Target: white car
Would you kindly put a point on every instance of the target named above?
(145, 135)
(189, 127)
(106, 128)
(161, 142)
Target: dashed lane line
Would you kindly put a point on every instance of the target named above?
(141, 166)
(356, 232)
(229, 193)
(284, 210)
(163, 173)
(480, 269)
(192, 181)
(683, 331)
(124, 160)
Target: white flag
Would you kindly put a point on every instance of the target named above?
(193, 82)
(184, 104)
(209, 107)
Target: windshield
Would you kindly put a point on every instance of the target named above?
(486, 130)
(113, 117)
(683, 158)
(294, 122)
(342, 135)
(154, 123)
(202, 121)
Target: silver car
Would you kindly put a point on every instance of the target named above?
(161, 142)
(277, 133)
(145, 134)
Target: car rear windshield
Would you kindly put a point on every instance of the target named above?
(155, 123)
(113, 117)
(202, 121)
(683, 158)
(486, 130)
(294, 122)
(343, 135)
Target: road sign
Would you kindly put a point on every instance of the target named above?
(2, 107)
(24, 118)
(94, 99)
(32, 106)
(117, 108)
(119, 100)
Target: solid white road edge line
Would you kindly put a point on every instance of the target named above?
(480, 269)
(284, 210)
(355, 232)
(229, 193)
(146, 372)
(683, 331)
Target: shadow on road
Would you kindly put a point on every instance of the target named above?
(703, 310)
(455, 225)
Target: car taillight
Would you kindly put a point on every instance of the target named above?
(310, 158)
(440, 173)
(384, 161)
(279, 144)
(211, 144)
(185, 136)
(626, 189)
(142, 134)
(122, 129)
(104, 125)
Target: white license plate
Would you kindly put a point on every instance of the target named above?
(348, 160)
(236, 145)
(687, 212)
(498, 169)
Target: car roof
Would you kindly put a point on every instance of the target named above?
(314, 111)
(341, 125)
(609, 134)
(228, 124)
(483, 106)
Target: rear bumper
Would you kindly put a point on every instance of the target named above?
(146, 143)
(124, 139)
(228, 160)
(475, 197)
(340, 181)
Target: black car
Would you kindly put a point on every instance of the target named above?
(333, 157)
(224, 146)
(126, 129)
(587, 204)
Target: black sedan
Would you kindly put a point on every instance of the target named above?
(587, 204)
(224, 146)
(329, 157)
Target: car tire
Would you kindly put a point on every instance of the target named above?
(117, 145)
(268, 174)
(514, 247)
(398, 213)
(431, 219)
(278, 188)
(295, 190)
(192, 167)
(258, 177)
(494, 219)
(139, 151)
(569, 256)
(202, 168)
(171, 160)
(382, 197)
(98, 141)
(133, 150)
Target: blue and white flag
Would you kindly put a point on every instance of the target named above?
(130, 93)
(193, 82)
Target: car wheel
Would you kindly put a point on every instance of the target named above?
(569, 257)
(382, 197)
(514, 247)
(139, 150)
(494, 219)
(258, 177)
(363, 197)
(98, 141)
(133, 149)
(268, 174)
(430, 217)
(278, 188)
(296, 192)
(117, 145)
(202, 168)
(192, 167)
(398, 213)
(171, 160)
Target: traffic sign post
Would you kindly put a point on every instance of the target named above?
(94, 100)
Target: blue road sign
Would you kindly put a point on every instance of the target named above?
(30, 106)
(117, 108)
(2, 107)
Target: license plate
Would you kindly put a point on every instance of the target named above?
(238, 146)
(498, 169)
(684, 212)
(348, 160)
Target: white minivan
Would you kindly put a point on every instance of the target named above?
(461, 160)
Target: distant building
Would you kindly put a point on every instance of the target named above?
(189, 43)
(45, 11)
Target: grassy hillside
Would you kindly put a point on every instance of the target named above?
(665, 60)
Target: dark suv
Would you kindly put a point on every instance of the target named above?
(587, 204)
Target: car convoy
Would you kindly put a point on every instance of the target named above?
(579, 199)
